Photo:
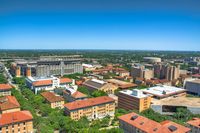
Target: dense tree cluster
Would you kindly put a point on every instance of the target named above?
(103, 56)
(3, 80)
(19, 80)
(75, 76)
(96, 93)
(181, 116)
(48, 120)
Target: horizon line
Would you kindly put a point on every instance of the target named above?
(101, 50)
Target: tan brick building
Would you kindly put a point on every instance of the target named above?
(53, 100)
(9, 104)
(5, 89)
(92, 108)
(133, 100)
(95, 84)
(16, 122)
(140, 71)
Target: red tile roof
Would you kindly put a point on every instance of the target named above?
(164, 81)
(138, 78)
(15, 117)
(78, 94)
(49, 82)
(65, 80)
(42, 82)
(128, 86)
(79, 82)
(121, 84)
(151, 126)
(5, 87)
(51, 97)
(194, 122)
(196, 75)
(8, 102)
(157, 81)
(166, 124)
(120, 69)
(119, 77)
(88, 102)
(101, 70)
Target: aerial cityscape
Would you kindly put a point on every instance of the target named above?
(100, 67)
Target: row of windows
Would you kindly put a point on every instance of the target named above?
(13, 129)
(5, 93)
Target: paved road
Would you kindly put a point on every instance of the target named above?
(9, 77)
(110, 127)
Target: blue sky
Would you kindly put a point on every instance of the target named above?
(129, 25)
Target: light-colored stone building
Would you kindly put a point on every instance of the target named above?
(53, 100)
(5, 89)
(92, 108)
(141, 72)
(95, 84)
(16, 122)
(9, 104)
(133, 100)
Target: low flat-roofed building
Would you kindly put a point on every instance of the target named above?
(71, 95)
(16, 122)
(92, 108)
(53, 100)
(5, 89)
(134, 123)
(169, 105)
(9, 104)
(133, 100)
(121, 84)
(95, 84)
(48, 83)
(194, 125)
(163, 91)
(192, 86)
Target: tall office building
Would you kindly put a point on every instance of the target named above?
(141, 72)
(166, 71)
(133, 100)
(170, 72)
(157, 69)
